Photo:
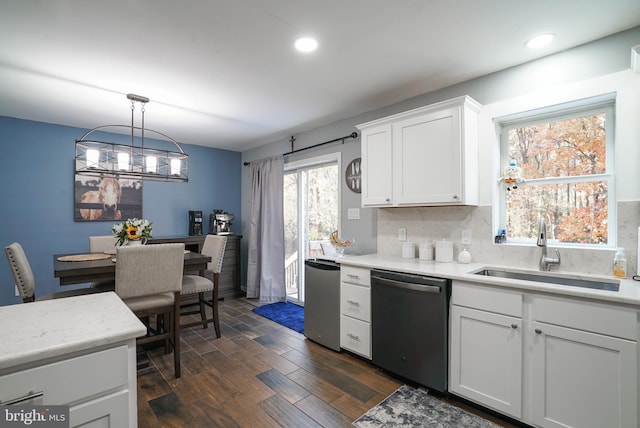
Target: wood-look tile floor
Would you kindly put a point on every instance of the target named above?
(259, 374)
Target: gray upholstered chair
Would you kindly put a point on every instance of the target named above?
(149, 280)
(25, 281)
(100, 244)
(214, 246)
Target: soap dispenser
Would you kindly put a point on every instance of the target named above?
(620, 264)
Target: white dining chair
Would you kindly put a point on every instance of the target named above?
(214, 246)
(25, 281)
(101, 243)
(149, 280)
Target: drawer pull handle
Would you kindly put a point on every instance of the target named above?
(29, 396)
(353, 302)
(514, 326)
(353, 336)
(352, 276)
(538, 331)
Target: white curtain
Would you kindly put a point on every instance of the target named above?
(265, 269)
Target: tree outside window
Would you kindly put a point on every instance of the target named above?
(567, 162)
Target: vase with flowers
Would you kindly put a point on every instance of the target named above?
(133, 231)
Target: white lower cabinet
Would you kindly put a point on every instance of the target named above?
(355, 310)
(585, 379)
(486, 359)
(547, 361)
(99, 387)
(486, 347)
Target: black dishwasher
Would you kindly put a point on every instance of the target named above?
(409, 326)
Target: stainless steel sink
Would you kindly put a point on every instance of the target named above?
(553, 278)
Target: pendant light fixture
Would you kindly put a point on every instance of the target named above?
(131, 161)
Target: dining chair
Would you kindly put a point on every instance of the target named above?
(149, 280)
(214, 246)
(100, 244)
(25, 281)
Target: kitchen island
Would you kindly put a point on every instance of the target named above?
(546, 354)
(77, 351)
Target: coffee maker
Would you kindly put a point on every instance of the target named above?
(195, 223)
(220, 223)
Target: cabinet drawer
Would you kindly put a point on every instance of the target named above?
(589, 316)
(70, 380)
(355, 301)
(355, 275)
(489, 299)
(355, 336)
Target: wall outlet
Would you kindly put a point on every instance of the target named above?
(353, 214)
(402, 234)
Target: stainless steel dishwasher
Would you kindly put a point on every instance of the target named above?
(409, 326)
(322, 302)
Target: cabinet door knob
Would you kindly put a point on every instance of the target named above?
(387, 200)
(456, 197)
(538, 331)
(514, 326)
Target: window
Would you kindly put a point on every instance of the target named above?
(566, 157)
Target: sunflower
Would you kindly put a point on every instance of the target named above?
(132, 233)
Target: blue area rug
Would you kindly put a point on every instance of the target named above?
(286, 314)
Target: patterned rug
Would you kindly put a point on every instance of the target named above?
(408, 407)
(286, 314)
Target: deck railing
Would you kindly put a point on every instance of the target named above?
(291, 271)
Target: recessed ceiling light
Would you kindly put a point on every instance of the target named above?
(306, 44)
(540, 41)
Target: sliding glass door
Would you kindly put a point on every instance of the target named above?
(311, 213)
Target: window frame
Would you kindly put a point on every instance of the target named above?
(583, 107)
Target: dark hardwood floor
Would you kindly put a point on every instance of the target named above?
(259, 374)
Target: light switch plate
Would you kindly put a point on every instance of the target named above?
(353, 214)
(402, 234)
(466, 237)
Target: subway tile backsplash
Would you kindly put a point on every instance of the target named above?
(435, 223)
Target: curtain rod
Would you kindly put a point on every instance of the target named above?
(352, 135)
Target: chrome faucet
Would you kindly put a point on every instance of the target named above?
(545, 261)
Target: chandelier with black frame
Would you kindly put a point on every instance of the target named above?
(98, 158)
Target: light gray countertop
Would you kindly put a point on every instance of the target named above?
(629, 293)
(46, 330)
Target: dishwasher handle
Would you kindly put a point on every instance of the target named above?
(411, 286)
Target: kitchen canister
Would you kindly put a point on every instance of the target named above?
(444, 251)
(426, 251)
(464, 256)
(408, 250)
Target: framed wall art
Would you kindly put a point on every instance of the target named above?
(106, 198)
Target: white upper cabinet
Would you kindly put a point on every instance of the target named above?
(426, 156)
(376, 165)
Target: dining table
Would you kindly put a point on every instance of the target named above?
(84, 268)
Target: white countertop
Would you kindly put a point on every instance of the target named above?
(629, 292)
(39, 331)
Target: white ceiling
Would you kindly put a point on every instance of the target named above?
(224, 73)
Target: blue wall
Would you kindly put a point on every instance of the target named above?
(36, 197)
